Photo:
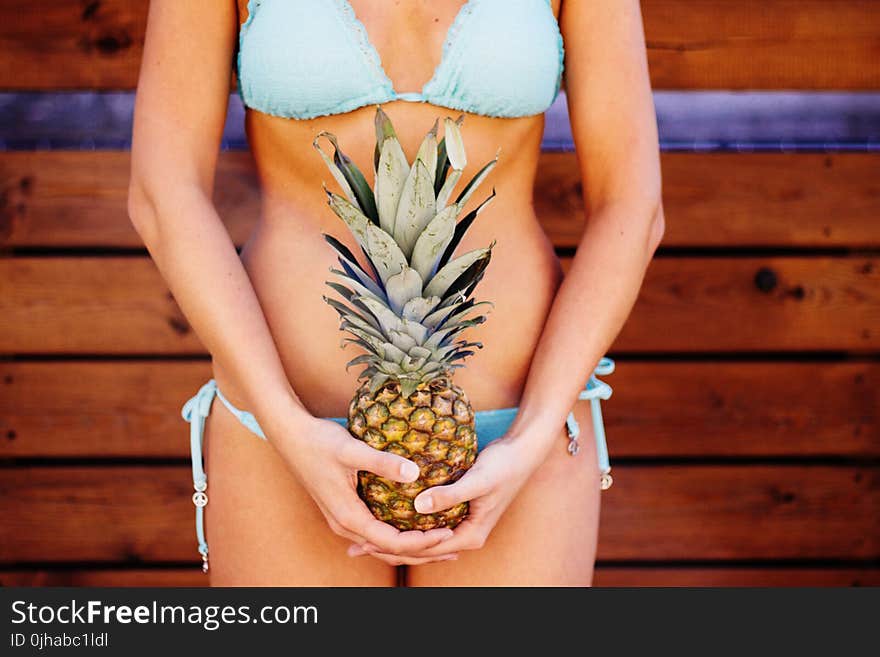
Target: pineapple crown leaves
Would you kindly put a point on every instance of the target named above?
(409, 310)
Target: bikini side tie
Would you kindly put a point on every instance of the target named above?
(595, 391)
(196, 411)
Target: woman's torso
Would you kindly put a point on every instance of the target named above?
(288, 260)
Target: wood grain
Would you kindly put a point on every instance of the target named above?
(721, 576)
(717, 44)
(756, 304)
(120, 305)
(131, 409)
(605, 576)
(737, 199)
(135, 514)
(71, 44)
(78, 199)
(99, 305)
(761, 44)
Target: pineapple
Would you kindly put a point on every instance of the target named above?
(408, 312)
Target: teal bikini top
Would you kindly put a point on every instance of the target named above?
(307, 58)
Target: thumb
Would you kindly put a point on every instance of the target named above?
(440, 498)
(361, 456)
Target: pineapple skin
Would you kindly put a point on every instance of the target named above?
(433, 427)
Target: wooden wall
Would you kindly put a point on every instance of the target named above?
(744, 425)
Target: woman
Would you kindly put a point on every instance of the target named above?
(285, 511)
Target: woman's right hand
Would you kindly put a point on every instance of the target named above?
(326, 458)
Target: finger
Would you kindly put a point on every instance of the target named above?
(469, 535)
(398, 560)
(358, 550)
(440, 498)
(361, 456)
(337, 528)
(392, 541)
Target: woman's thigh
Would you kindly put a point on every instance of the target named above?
(262, 527)
(547, 536)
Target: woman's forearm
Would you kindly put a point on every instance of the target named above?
(198, 261)
(589, 309)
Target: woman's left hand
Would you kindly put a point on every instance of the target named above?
(491, 484)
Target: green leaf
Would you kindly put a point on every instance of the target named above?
(355, 181)
(377, 381)
(357, 286)
(349, 313)
(373, 343)
(356, 220)
(448, 274)
(416, 309)
(447, 189)
(462, 227)
(443, 336)
(333, 167)
(393, 355)
(465, 283)
(415, 330)
(384, 130)
(353, 321)
(403, 287)
(417, 207)
(384, 253)
(432, 243)
(442, 166)
(440, 315)
(408, 386)
(428, 152)
(420, 352)
(391, 172)
(403, 341)
(360, 360)
(475, 182)
(386, 318)
(455, 150)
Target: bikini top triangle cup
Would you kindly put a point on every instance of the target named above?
(306, 58)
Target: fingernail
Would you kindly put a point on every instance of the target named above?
(355, 551)
(450, 557)
(449, 534)
(409, 471)
(425, 503)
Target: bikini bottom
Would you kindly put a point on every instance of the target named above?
(490, 425)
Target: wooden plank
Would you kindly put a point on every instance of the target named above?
(605, 576)
(756, 44)
(135, 514)
(717, 304)
(742, 512)
(105, 577)
(737, 199)
(723, 409)
(57, 44)
(130, 409)
(77, 199)
(97, 409)
(719, 44)
(120, 305)
(100, 305)
(727, 576)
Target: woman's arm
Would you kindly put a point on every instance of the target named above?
(179, 116)
(615, 133)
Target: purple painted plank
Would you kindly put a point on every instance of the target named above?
(689, 120)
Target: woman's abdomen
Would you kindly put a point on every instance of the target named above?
(288, 262)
